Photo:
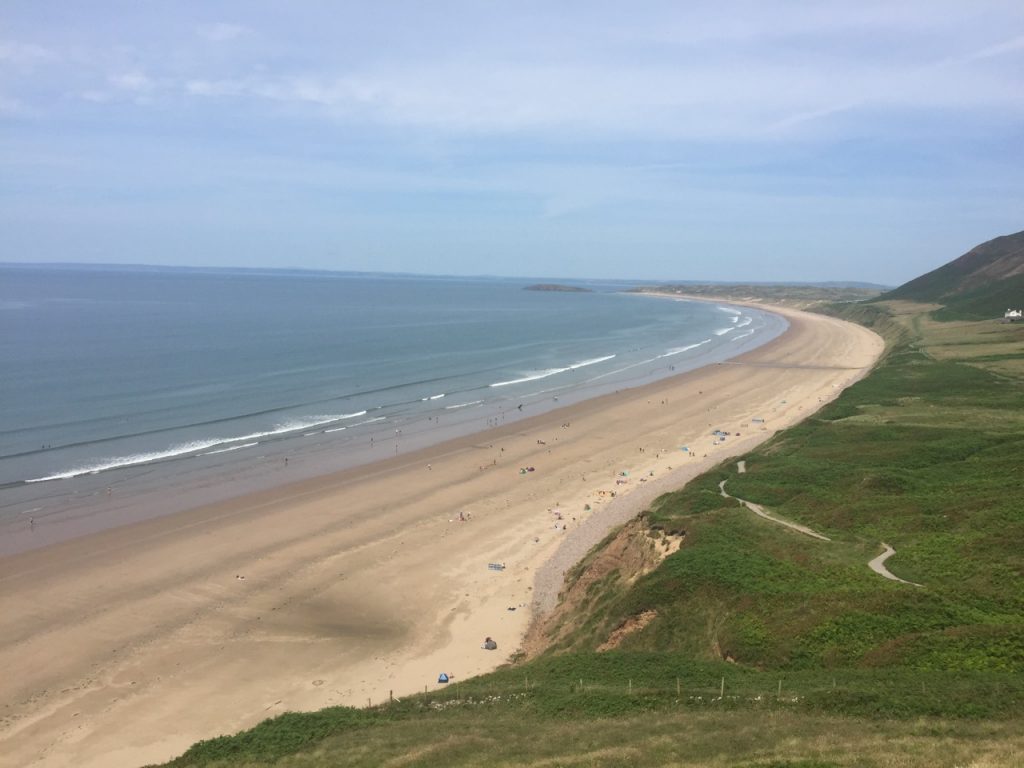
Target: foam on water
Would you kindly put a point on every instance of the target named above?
(687, 348)
(130, 461)
(196, 447)
(370, 421)
(229, 449)
(463, 405)
(553, 371)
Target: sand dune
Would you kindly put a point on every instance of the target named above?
(126, 646)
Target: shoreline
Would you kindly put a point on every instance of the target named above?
(134, 642)
(41, 514)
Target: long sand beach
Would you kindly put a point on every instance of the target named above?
(126, 646)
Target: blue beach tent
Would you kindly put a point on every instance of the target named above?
(442, 678)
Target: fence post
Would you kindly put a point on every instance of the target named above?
(631, 685)
(721, 691)
(391, 697)
(581, 684)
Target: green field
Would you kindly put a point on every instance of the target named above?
(761, 646)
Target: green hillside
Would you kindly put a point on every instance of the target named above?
(757, 645)
(980, 284)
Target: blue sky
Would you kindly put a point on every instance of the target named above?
(700, 141)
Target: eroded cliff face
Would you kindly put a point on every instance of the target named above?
(603, 575)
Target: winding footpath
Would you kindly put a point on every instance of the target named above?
(758, 510)
(877, 565)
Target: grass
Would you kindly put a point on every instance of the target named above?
(770, 648)
(477, 733)
(925, 455)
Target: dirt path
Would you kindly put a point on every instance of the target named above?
(758, 510)
(878, 566)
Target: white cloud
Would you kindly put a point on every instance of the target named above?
(1013, 45)
(12, 107)
(677, 71)
(95, 96)
(220, 32)
(24, 54)
(132, 81)
(746, 99)
(214, 87)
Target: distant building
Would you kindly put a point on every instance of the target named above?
(1012, 315)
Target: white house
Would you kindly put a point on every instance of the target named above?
(1013, 315)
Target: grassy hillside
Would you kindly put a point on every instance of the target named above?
(758, 645)
(925, 456)
(979, 285)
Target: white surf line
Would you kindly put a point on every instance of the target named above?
(878, 566)
(758, 510)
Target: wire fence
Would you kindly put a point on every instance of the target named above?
(871, 695)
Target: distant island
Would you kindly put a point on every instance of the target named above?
(557, 288)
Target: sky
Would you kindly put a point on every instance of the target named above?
(719, 141)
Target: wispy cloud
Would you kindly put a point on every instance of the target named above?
(221, 32)
(645, 121)
(214, 87)
(1013, 45)
(133, 81)
(25, 54)
(763, 73)
(12, 107)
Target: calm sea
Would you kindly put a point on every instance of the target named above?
(134, 380)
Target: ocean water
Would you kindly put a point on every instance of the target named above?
(144, 380)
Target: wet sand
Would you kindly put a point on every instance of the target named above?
(126, 646)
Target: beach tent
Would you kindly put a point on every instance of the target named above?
(442, 678)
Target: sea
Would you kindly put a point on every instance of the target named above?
(128, 392)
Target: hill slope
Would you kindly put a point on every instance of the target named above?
(978, 285)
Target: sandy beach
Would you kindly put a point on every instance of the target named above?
(124, 647)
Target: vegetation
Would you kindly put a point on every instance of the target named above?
(767, 647)
(979, 285)
(787, 295)
(476, 733)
